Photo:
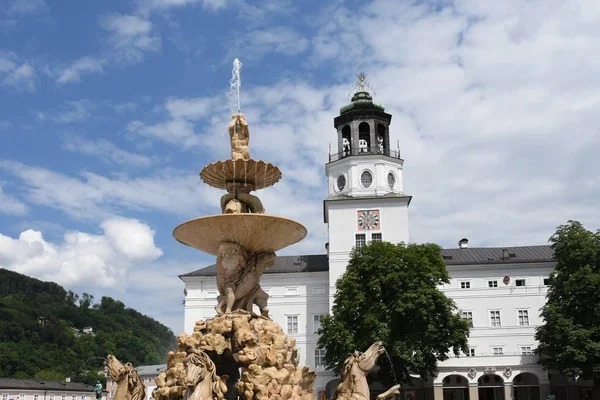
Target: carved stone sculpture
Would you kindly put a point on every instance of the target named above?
(129, 383)
(238, 277)
(240, 137)
(267, 357)
(241, 203)
(353, 383)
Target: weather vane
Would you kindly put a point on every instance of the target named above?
(362, 84)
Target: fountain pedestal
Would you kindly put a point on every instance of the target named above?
(244, 239)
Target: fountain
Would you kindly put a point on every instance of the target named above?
(238, 353)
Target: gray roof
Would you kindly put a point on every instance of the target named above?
(495, 255)
(32, 384)
(468, 256)
(283, 264)
(153, 370)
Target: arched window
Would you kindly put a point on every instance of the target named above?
(364, 138)
(346, 141)
(382, 146)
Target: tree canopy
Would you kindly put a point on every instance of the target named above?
(390, 293)
(41, 332)
(570, 336)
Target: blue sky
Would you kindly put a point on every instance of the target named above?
(108, 111)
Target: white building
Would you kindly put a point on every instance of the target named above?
(501, 290)
(147, 372)
(31, 389)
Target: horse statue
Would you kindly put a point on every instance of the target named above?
(353, 383)
(129, 383)
(201, 378)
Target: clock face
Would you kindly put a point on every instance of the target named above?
(368, 219)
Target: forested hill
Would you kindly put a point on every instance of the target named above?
(44, 332)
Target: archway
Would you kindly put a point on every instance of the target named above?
(526, 386)
(491, 387)
(382, 146)
(364, 137)
(331, 387)
(346, 140)
(455, 387)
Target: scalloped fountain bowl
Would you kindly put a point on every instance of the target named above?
(255, 232)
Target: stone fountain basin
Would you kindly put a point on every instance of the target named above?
(255, 174)
(254, 232)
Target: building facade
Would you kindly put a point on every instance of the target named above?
(500, 290)
(30, 389)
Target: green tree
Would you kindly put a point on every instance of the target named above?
(570, 336)
(389, 293)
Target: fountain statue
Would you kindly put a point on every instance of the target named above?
(240, 352)
(353, 383)
(130, 385)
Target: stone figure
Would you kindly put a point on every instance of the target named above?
(98, 390)
(238, 277)
(129, 383)
(241, 203)
(240, 137)
(353, 382)
(201, 378)
(345, 147)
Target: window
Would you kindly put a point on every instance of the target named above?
(523, 316)
(526, 350)
(391, 180)
(36, 396)
(376, 237)
(317, 322)
(73, 397)
(465, 285)
(319, 357)
(498, 351)
(468, 315)
(546, 281)
(341, 183)
(63, 397)
(495, 318)
(520, 282)
(471, 352)
(211, 293)
(361, 240)
(4, 396)
(291, 291)
(22, 396)
(292, 323)
(50, 397)
(366, 179)
(319, 290)
(492, 283)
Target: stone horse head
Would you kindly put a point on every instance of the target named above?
(201, 378)
(353, 383)
(129, 383)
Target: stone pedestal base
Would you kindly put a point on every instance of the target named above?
(267, 357)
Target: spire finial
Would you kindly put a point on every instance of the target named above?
(362, 85)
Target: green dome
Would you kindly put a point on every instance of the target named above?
(361, 100)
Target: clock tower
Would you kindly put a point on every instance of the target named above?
(366, 200)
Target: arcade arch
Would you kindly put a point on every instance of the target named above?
(526, 386)
(491, 387)
(455, 387)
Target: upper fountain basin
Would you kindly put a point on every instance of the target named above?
(255, 232)
(251, 174)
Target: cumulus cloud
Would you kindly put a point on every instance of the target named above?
(131, 36)
(81, 257)
(24, 7)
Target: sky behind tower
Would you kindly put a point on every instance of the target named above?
(110, 109)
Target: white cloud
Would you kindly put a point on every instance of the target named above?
(23, 7)
(107, 151)
(15, 73)
(279, 40)
(131, 36)
(11, 206)
(98, 259)
(73, 72)
(93, 197)
(74, 111)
